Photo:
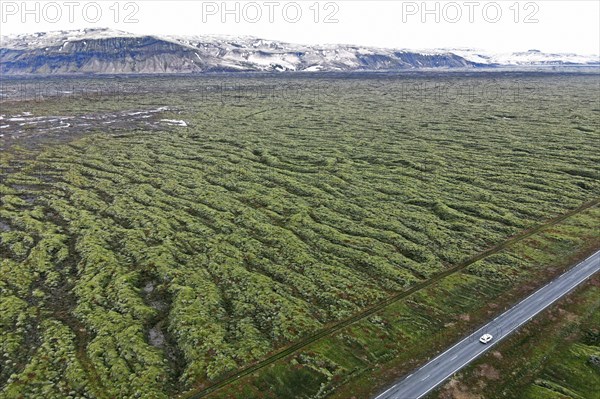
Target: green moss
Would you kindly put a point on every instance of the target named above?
(173, 257)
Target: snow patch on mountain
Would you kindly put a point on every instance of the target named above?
(531, 57)
(50, 39)
(112, 51)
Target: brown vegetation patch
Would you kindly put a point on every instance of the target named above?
(568, 316)
(488, 371)
(455, 390)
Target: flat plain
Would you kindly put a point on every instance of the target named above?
(158, 234)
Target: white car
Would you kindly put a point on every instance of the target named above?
(485, 338)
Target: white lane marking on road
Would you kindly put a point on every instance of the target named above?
(386, 391)
(546, 306)
(426, 377)
(514, 328)
(408, 377)
(567, 274)
(517, 305)
(455, 356)
(503, 335)
(445, 378)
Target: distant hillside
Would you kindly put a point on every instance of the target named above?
(105, 51)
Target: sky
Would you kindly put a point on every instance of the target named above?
(496, 26)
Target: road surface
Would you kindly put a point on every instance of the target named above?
(431, 375)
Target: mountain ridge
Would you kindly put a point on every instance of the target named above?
(107, 51)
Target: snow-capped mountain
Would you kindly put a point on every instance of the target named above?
(524, 58)
(112, 52)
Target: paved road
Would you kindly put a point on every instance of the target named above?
(431, 375)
